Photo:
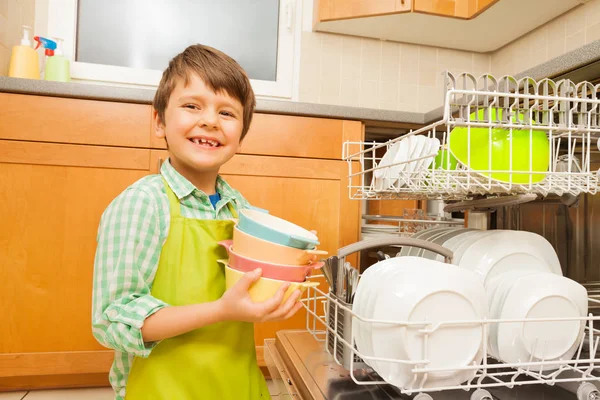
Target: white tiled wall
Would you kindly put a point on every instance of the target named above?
(13, 14)
(571, 30)
(352, 71)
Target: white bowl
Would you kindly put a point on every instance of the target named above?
(502, 251)
(415, 289)
(542, 295)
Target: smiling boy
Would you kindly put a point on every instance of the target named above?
(159, 296)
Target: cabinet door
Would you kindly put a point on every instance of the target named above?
(51, 199)
(329, 10)
(309, 192)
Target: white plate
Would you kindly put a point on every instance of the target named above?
(466, 240)
(431, 147)
(497, 290)
(503, 251)
(423, 235)
(432, 238)
(426, 290)
(363, 294)
(441, 240)
(542, 295)
(382, 177)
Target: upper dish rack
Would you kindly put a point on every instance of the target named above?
(553, 127)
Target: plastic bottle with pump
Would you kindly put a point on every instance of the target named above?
(49, 47)
(58, 68)
(24, 59)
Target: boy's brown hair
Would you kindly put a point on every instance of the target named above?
(218, 71)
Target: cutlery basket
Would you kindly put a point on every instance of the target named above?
(339, 312)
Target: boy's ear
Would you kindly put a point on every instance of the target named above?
(159, 126)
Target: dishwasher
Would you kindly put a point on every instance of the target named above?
(558, 203)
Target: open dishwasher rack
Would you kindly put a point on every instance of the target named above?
(330, 320)
(568, 113)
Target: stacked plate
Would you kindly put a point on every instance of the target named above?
(285, 252)
(523, 279)
(396, 160)
(422, 293)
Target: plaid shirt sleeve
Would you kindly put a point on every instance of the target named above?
(130, 238)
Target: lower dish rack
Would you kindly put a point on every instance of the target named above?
(329, 320)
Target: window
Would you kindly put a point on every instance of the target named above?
(131, 41)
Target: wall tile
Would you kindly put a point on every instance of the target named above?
(27, 12)
(309, 92)
(592, 33)
(4, 60)
(4, 7)
(557, 35)
(329, 92)
(390, 61)
(455, 60)
(351, 50)
(331, 57)
(592, 13)
(408, 94)
(409, 63)
(430, 98)
(575, 20)
(310, 67)
(481, 62)
(388, 95)
(368, 95)
(350, 92)
(575, 41)
(14, 23)
(41, 17)
(370, 60)
(428, 75)
(4, 32)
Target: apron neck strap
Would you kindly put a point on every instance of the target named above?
(175, 206)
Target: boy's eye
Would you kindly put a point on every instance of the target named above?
(227, 113)
(192, 106)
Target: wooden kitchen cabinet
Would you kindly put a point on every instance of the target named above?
(330, 10)
(333, 10)
(54, 187)
(51, 199)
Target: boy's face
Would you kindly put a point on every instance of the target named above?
(202, 128)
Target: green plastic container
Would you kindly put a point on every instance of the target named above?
(58, 69)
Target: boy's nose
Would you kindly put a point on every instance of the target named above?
(209, 120)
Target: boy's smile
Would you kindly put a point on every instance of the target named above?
(202, 129)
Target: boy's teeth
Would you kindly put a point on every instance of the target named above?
(212, 143)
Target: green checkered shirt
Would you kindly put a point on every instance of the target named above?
(132, 231)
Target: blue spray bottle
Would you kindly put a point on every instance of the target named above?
(49, 46)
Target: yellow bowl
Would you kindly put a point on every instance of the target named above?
(253, 247)
(265, 288)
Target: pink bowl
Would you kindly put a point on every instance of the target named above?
(283, 272)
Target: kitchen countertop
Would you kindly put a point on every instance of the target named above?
(555, 67)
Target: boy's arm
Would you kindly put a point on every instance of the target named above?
(126, 317)
(129, 243)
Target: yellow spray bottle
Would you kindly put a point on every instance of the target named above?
(24, 60)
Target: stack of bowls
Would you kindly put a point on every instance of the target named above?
(285, 252)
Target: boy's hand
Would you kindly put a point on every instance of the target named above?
(238, 306)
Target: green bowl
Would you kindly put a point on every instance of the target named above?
(444, 160)
(502, 142)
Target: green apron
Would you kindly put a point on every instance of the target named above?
(217, 361)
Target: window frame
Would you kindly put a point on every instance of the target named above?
(62, 22)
